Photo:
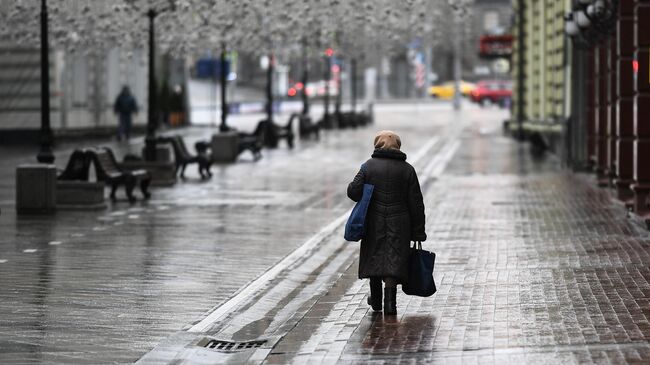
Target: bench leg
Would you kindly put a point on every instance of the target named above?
(208, 167)
(204, 169)
(113, 191)
(183, 171)
(129, 185)
(290, 141)
(144, 188)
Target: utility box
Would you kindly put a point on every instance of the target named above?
(163, 170)
(225, 147)
(36, 189)
(163, 153)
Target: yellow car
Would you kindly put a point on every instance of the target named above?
(446, 90)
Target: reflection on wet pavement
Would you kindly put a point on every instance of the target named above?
(113, 283)
(534, 265)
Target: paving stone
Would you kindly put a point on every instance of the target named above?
(126, 277)
(534, 265)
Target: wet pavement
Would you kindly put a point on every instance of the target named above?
(107, 286)
(534, 264)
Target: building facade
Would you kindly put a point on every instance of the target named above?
(83, 88)
(582, 88)
(539, 55)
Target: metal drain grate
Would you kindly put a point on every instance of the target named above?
(220, 345)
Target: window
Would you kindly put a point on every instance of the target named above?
(79, 72)
(490, 21)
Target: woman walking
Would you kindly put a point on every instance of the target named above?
(395, 217)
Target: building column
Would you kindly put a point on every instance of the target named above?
(625, 101)
(601, 114)
(612, 135)
(641, 160)
(591, 108)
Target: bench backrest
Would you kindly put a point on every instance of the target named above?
(305, 121)
(78, 167)
(289, 125)
(179, 145)
(105, 163)
(260, 129)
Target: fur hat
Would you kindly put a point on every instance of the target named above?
(388, 140)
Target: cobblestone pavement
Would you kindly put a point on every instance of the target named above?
(534, 266)
(107, 286)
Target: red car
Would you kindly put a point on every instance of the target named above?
(492, 92)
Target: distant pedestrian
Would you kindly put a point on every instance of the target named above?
(395, 217)
(125, 105)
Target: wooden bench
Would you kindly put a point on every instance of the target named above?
(183, 157)
(253, 141)
(78, 167)
(347, 120)
(307, 127)
(244, 141)
(274, 132)
(74, 190)
(111, 174)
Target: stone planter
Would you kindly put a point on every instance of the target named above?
(225, 147)
(35, 189)
(80, 195)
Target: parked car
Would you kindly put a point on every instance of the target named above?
(492, 92)
(446, 90)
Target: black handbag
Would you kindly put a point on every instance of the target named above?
(420, 281)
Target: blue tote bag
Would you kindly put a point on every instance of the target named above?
(355, 228)
(420, 280)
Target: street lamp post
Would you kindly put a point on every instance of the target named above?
(457, 66)
(305, 79)
(327, 76)
(152, 122)
(271, 137)
(223, 127)
(45, 154)
(339, 92)
(150, 139)
(269, 90)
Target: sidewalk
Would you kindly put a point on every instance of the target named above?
(534, 266)
(108, 286)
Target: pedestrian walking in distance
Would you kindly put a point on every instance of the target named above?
(395, 217)
(125, 105)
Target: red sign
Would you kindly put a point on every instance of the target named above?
(495, 46)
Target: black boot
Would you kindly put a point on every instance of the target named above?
(390, 301)
(374, 299)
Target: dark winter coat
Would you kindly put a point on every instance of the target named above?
(395, 216)
(125, 104)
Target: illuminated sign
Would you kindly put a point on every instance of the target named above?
(495, 46)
